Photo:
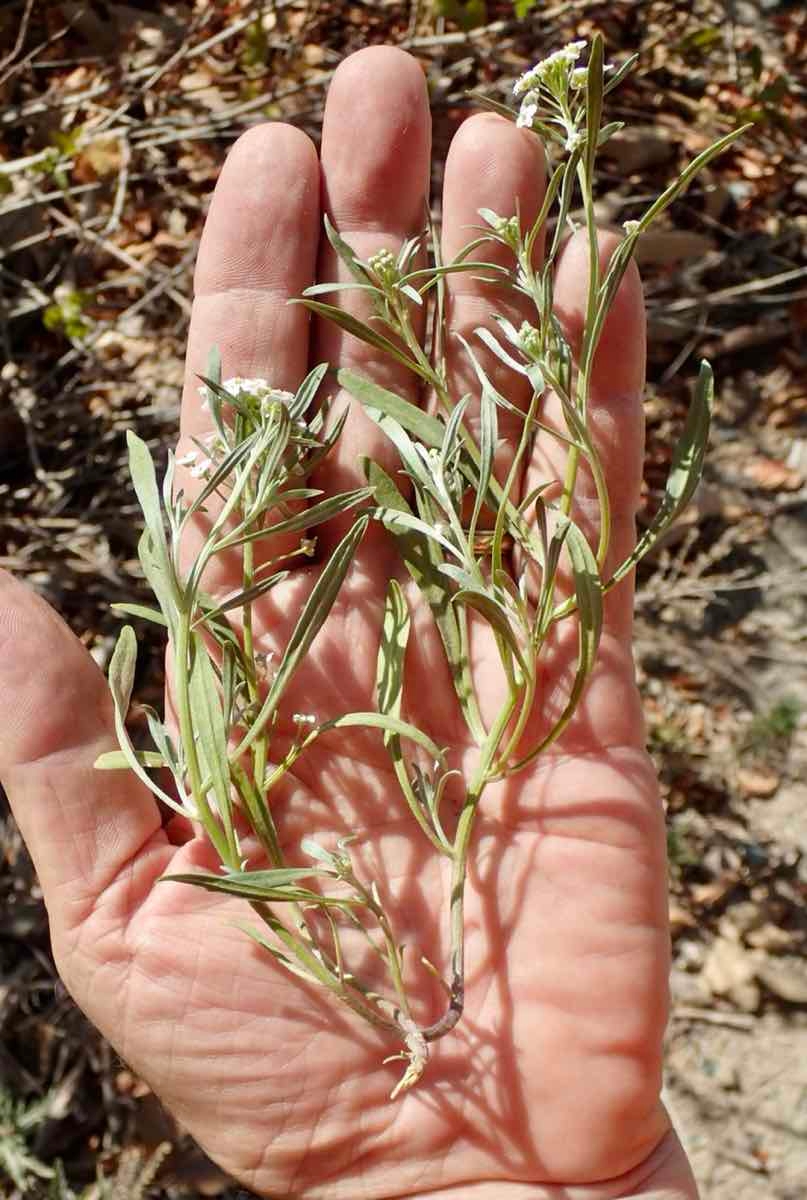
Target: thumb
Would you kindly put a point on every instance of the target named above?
(87, 830)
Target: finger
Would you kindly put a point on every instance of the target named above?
(615, 416)
(258, 251)
(491, 164)
(376, 147)
(90, 833)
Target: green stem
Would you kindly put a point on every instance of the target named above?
(462, 841)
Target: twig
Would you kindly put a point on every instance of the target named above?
(114, 251)
(120, 191)
(20, 40)
(740, 289)
(710, 1017)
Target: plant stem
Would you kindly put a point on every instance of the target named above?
(462, 841)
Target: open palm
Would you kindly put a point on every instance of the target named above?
(550, 1085)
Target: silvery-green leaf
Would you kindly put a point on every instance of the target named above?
(213, 373)
(485, 101)
(394, 519)
(346, 253)
(452, 429)
(484, 379)
(166, 748)
(488, 438)
(588, 589)
(392, 651)
(568, 170)
(307, 391)
(140, 610)
(121, 679)
(594, 96)
(116, 760)
(144, 479)
(266, 886)
(313, 849)
(622, 255)
(685, 471)
(459, 575)
(608, 131)
(390, 724)
(389, 689)
(619, 74)
(210, 732)
(414, 420)
(422, 558)
(225, 468)
(498, 349)
(588, 592)
(307, 518)
(323, 289)
(247, 596)
(407, 290)
(495, 614)
(360, 330)
(311, 619)
(431, 275)
(552, 186)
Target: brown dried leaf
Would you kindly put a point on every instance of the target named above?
(755, 781)
(771, 475)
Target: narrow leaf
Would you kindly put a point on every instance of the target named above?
(414, 420)
(307, 391)
(422, 558)
(309, 623)
(360, 330)
(392, 651)
(489, 435)
(209, 729)
(594, 96)
(346, 253)
(685, 471)
(140, 610)
(116, 760)
(121, 679)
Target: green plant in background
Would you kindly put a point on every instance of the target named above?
(470, 14)
(18, 1123)
(66, 313)
(229, 757)
(770, 732)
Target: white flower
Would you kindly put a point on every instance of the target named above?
(304, 719)
(188, 459)
(579, 77)
(257, 389)
(630, 226)
(563, 59)
(201, 468)
(575, 139)
(528, 111)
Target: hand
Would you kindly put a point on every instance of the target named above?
(549, 1087)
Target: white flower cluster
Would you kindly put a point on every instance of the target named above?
(259, 390)
(563, 59)
(529, 340)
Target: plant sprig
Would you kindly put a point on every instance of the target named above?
(226, 756)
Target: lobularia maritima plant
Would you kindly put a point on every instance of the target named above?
(256, 464)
